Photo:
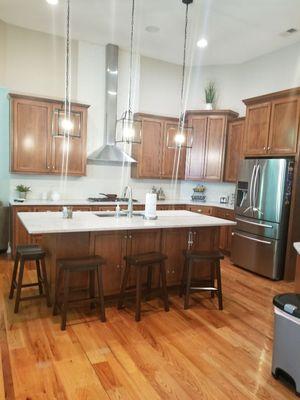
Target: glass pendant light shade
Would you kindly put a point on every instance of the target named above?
(129, 129)
(180, 136)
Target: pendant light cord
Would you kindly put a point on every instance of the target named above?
(131, 56)
(184, 65)
(67, 61)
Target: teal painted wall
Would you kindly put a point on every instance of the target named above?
(4, 146)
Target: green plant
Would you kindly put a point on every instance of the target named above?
(23, 189)
(210, 93)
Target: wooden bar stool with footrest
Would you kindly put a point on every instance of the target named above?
(23, 254)
(139, 261)
(191, 257)
(65, 267)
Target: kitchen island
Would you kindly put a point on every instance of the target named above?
(90, 233)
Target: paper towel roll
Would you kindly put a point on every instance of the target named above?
(150, 205)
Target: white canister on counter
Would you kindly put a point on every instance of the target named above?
(150, 206)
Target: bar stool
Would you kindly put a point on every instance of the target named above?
(23, 254)
(65, 267)
(139, 261)
(215, 271)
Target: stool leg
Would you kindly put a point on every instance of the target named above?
(123, 286)
(19, 285)
(183, 279)
(149, 280)
(101, 293)
(92, 287)
(212, 278)
(14, 275)
(39, 276)
(65, 300)
(57, 287)
(220, 300)
(45, 282)
(164, 285)
(138, 294)
(188, 284)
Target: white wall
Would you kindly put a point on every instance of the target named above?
(33, 63)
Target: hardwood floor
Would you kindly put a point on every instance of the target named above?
(201, 353)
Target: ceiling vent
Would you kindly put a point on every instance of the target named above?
(289, 32)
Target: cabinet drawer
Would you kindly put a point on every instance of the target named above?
(223, 213)
(206, 210)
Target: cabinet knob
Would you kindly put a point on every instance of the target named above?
(269, 148)
(130, 237)
(199, 211)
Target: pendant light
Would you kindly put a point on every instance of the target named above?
(129, 127)
(184, 135)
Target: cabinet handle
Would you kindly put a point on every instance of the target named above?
(130, 237)
(199, 211)
(269, 148)
(125, 237)
(265, 148)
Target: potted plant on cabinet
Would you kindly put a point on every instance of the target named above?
(210, 95)
(23, 190)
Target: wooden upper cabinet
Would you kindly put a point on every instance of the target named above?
(195, 155)
(257, 129)
(205, 160)
(272, 124)
(148, 153)
(234, 149)
(173, 159)
(284, 127)
(214, 148)
(30, 139)
(68, 154)
(38, 144)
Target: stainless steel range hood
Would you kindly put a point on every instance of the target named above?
(109, 152)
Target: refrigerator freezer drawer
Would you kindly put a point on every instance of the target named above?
(258, 254)
(258, 227)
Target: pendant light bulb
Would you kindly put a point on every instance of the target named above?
(67, 125)
(179, 139)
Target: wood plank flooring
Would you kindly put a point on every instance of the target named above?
(201, 353)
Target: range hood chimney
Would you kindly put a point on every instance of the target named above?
(109, 152)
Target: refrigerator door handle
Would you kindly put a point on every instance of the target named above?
(251, 191)
(254, 223)
(250, 238)
(254, 190)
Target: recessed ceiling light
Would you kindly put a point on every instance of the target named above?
(152, 29)
(202, 43)
(289, 32)
(53, 2)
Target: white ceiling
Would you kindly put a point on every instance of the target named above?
(237, 30)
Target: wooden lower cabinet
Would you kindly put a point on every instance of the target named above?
(225, 231)
(206, 210)
(173, 243)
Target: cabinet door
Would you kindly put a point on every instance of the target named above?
(139, 242)
(69, 152)
(284, 126)
(257, 129)
(19, 233)
(112, 247)
(31, 122)
(205, 210)
(148, 153)
(173, 159)
(195, 155)
(174, 241)
(214, 149)
(234, 149)
(204, 239)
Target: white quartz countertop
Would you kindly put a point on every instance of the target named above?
(87, 221)
(297, 247)
(78, 202)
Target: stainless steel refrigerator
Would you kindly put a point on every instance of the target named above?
(262, 205)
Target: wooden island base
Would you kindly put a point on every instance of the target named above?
(114, 245)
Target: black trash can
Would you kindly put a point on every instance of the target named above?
(286, 347)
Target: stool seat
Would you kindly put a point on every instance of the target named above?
(80, 263)
(65, 267)
(203, 255)
(29, 253)
(145, 258)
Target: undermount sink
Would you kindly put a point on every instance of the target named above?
(122, 214)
